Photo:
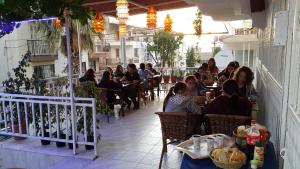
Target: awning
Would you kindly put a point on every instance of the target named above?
(108, 7)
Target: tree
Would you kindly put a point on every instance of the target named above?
(216, 50)
(18, 10)
(163, 48)
(56, 38)
(198, 23)
(190, 57)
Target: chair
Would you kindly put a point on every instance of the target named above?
(225, 124)
(177, 125)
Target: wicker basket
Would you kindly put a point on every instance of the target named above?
(242, 142)
(232, 165)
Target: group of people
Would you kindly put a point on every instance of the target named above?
(113, 80)
(234, 91)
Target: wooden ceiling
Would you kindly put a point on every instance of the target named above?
(108, 7)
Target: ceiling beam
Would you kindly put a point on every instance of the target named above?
(138, 5)
(147, 6)
(99, 2)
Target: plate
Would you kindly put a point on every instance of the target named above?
(188, 147)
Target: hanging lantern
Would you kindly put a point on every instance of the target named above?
(168, 24)
(122, 29)
(122, 10)
(98, 23)
(58, 23)
(151, 17)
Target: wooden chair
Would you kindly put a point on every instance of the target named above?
(225, 124)
(177, 125)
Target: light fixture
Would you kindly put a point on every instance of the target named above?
(168, 24)
(98, 23)
(122, 10)
(151, 17)
(58, 23)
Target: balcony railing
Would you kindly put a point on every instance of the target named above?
(243, 31)
(40, 51)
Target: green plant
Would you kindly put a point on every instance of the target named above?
(89, 90)
(14, 85)
(198, 23)
(163, 47)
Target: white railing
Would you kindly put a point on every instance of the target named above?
(49, 118)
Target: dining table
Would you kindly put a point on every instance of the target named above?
(270, 161)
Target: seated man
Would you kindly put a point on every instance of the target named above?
(131, 91)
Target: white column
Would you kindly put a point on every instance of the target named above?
(70, 77)
(248, 54)
(243, 53)
(123, 51)
(79, 48)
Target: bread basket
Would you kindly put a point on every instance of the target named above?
(229, 165)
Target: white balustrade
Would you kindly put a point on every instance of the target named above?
(49, 114)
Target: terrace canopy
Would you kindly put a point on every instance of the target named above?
(108, 7)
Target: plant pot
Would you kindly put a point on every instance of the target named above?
(89, 139)
(61, 144)
(173, 79)
(45, 142)
(16, 128)
(166, 79)
(70, 145)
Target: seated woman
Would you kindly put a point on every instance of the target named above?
(228, 71)
(109, 84)
(150, 69)
(229, 102)
(119, 72)
(244, 77)
(88, 76)
(200, 85)
(212, 67)
(177, 100)
(191, 84)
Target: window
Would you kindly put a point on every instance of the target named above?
(117, 53)
(247, 60)
(136, 53)
(44, 71)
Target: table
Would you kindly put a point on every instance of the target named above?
(270, 161)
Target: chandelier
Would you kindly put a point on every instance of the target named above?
(151, 17)
(98, 23)
(168, 24)
(122, 10)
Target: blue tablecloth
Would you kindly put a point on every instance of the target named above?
(269, 163)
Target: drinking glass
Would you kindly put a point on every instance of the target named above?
(196, 141)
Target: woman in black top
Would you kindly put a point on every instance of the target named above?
(88, 76)
(110, 85)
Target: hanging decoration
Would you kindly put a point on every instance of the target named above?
(122, 29)
(168, 24)
(151, 17)
(58, 23)
(122, 10)
(98, 23)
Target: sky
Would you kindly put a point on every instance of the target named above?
(183, 22)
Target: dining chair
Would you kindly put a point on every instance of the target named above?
(225, 124)
(177, 126)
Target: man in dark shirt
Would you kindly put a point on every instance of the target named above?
(131, 91)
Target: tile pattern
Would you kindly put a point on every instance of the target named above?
(130, 142)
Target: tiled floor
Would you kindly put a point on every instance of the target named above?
(130, 142)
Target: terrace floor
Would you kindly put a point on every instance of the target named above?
(130, 142)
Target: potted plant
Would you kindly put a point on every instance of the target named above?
(90, 90)
(166, 76)
(13, 86)
(179, 75)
